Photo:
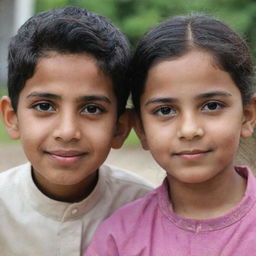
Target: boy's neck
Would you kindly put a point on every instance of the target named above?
(211, 199)
(67, 193)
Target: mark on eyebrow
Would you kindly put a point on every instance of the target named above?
(94, 98)
(161, 100)
(43, 95)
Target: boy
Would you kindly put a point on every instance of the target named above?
(66, 103)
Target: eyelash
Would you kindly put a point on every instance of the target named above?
(172, 111)
(85, 109)
(99, 110)
(40, 104)
(164, 108)
(219, 105)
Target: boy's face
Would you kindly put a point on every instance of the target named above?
(192, 117)
(66, 119)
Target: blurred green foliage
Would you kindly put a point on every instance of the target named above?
(3, 91)
(3, 134)
(134, 17)
(132, 140)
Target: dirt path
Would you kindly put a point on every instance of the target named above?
(134, 159)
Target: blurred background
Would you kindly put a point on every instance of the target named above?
(134, 18)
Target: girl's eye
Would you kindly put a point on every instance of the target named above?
(44, 107)
(212, 106)
(165, 111)
(93, 110)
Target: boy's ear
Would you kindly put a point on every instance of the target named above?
(123, 128)
(138, 127)
(249, 122)
(9, 117)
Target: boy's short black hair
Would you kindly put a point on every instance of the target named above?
(176, 36)
(70, 30)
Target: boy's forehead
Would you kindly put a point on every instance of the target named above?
(72, 74)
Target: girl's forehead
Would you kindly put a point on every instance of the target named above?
(196, 55)
(193, 73)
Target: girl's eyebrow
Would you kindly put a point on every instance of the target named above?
(206, 95)
(214, 94)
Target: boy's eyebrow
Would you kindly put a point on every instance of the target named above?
(43, 95)
(94, 98)
(79, 99)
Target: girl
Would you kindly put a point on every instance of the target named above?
(192, 89)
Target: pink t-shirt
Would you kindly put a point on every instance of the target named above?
(149, 227)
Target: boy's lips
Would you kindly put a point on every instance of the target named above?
(66, 156)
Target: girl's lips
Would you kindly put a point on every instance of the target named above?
(192, 154)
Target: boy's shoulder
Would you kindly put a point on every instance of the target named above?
(124, 186)
(119, 176)
(13, 184)
(14, 175)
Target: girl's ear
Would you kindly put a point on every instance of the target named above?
(123, 128)
(249, 118)
(9, 117)
(138, 127)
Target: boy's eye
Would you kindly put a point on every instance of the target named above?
(92, 109)
(165, 111)
(212, 106)
(44, 107)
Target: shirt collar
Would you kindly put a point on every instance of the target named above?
(58, 210)
(235, 215)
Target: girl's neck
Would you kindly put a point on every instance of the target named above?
(208, 200)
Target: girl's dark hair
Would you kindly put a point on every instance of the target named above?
(175, 37)
(68, 30)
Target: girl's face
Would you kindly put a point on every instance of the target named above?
(192, 118)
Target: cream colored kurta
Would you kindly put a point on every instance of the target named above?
(32, 224)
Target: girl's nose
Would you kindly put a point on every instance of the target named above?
(190, 128)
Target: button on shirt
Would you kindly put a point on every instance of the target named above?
(34, 225)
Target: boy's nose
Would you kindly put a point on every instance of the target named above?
(190, 128)
(67, 128)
